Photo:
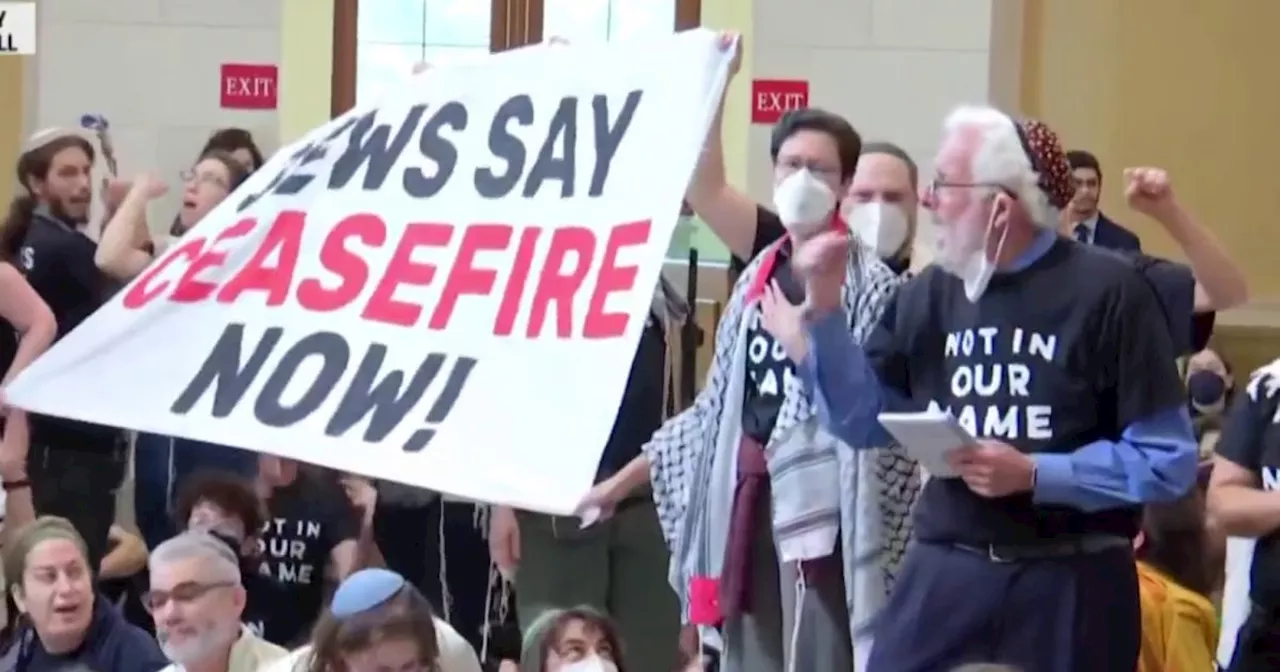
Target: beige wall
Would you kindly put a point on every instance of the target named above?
(1186, 85)
(152, 67)
(893, 67)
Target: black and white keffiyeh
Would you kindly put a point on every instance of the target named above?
(877, 487)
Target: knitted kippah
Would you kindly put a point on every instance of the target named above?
(1049, 160)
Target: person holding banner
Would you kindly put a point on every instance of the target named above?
(76, 466)
(774, 546)
(620, 564)
(161, 462)
(1024, 555)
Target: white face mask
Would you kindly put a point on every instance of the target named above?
(968, 261)
(804, 203)
(880, 226)
(590, 664)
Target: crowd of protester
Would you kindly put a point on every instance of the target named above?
(243, 562)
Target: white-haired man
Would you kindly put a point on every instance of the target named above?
(196, 599)
(1057, 357)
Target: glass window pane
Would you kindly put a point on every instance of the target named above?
(576, 20)
(457, 23)
(379, 66)
(600, 20)
(391, 21)
(446, 55)
(637, 18)
(693, 233)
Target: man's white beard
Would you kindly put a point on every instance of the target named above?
(204, 644)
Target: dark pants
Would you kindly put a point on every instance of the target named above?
(160, 464)
(439, 548)
(618, 566)
(1257, 644)
(951, 607)
(79, 483)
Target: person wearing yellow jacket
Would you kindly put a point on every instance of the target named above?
(1179, 624)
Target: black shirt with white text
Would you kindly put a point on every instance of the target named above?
(1070, 350)
(1251, 438)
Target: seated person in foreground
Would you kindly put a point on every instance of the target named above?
(64, 621)
(1179, 625)
(378, 621)
(197, 600)
(61, 620)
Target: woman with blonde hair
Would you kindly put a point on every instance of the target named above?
(572, 640)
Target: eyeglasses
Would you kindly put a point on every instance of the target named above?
(938, 183)
(792, 164)
(154, 600)
(203, 178)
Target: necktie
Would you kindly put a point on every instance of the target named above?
(1082, 233)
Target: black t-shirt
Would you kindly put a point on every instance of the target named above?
(262, 597)
(1175, 285)
(1070, 350)
(58, 263)
(769, 369)
(1251, 439)
(640, 412)
(306, 520)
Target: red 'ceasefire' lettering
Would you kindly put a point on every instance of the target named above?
(557, 285)
(612, 279)
(403, 270)
(285, 237)
(540, 294)
(509, 309)
(191, 290)
(143, 291)
(464, 277)
(350, 267)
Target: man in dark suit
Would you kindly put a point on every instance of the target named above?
(1087, 224)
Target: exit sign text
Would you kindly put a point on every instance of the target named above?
(249, 87)
(771, 98)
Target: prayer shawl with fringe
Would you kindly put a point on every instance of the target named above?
(691, 462)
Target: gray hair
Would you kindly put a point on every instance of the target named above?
(1001, 159)
(218, 558)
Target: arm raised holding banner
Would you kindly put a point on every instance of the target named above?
(118, 253)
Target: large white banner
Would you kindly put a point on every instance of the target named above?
(445, 289)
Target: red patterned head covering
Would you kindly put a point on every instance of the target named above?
(1048, 159)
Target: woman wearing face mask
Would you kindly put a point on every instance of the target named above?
(1209, 384)
(160, 463)
(572, 640)
(376, 621)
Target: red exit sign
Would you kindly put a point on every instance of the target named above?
(771, 98)
(249, 87)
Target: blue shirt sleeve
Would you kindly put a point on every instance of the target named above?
(844, 385)
(1155, 460)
